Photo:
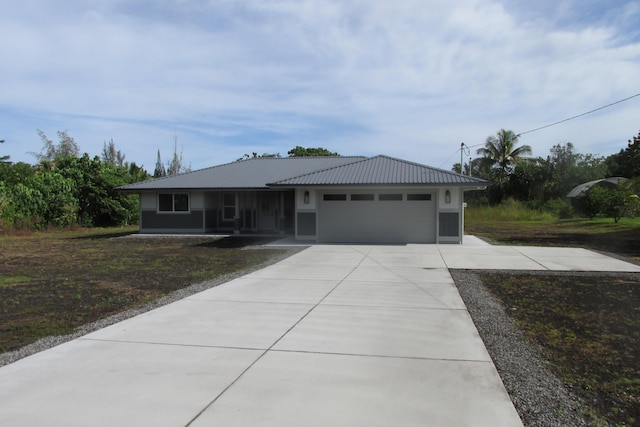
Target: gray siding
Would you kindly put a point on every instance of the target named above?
(306, 223)
(449, 224)
(154, 220)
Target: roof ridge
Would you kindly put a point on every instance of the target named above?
(422, 165)
(361, 159)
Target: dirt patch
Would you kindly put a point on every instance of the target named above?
(52, 284)
(588, 328)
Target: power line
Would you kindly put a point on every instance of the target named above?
(546, 126)
(579, 115)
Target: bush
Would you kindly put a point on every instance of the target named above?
(560, 208)
(614, 203)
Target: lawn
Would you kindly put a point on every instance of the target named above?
(52, 283)
(587, 324)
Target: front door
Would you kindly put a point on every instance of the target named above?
(268, 211)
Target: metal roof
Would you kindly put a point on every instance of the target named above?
(382, 170)
(582, 188)
(264, 172)
(243, 174)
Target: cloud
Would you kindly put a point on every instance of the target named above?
(411, 79)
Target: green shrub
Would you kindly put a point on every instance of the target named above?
(560, 208)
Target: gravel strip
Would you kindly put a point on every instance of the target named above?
(540, 398)
(54, 340)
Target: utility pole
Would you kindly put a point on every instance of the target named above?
(464, 148)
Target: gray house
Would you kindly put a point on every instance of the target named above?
(319, 199)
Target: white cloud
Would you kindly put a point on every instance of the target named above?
(411, 79)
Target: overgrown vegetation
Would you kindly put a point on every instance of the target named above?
(52, 283)
(65, 189)
(543, 183)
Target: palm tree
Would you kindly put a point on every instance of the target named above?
(501, 154)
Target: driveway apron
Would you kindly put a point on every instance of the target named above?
(335, 335)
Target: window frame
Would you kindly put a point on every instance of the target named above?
(173, 203)
(390, 197)
(419, 197)
(362, 197)
(334, 197)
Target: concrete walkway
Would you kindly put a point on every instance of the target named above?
(333, 336)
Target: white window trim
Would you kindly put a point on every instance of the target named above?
(173, 203)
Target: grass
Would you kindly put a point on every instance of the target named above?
(603, 234)
(587, 324)
(52, 283)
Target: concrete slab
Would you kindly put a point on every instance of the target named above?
(387, 331)
(576, 259)
(252, 289)
(402, 295)
(485, 256)
(303, 271)
(199, 322)
(306, 389)
(94, 383)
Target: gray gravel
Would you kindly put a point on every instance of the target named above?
(52, 341)
(538, 395)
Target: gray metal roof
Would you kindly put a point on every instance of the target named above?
(582, 188)
(244, 174)
(382, 170)
(263, 173)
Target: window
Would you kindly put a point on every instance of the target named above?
(228, 206)
(390, 197)
(334, 197)
(173, 202)
(418, 196)
(360, 197)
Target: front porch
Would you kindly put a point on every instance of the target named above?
(221, 212)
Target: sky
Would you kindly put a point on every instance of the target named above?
(411, 79)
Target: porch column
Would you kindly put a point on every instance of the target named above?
(236, 216)
(281, 218)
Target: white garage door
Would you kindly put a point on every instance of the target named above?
(361, 217)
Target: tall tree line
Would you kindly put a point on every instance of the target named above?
(543, 182)
(65, 188)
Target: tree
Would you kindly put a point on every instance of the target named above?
(51, 152)
(4, 159)
(137, 173)
(159, 171)
(99, 204)
(176, 165)
(568, 169)
(258, 156)
(499, 158)
(627, 162)
(501, 154)
(614, 202)
(299, 151)
(112, 156)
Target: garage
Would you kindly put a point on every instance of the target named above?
(377, 217)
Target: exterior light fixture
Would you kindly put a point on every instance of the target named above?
(306, 197)
(447, 197)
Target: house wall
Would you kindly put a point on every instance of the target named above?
(153, 221)
(450, 215)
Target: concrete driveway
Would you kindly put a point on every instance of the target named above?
(332, 336)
